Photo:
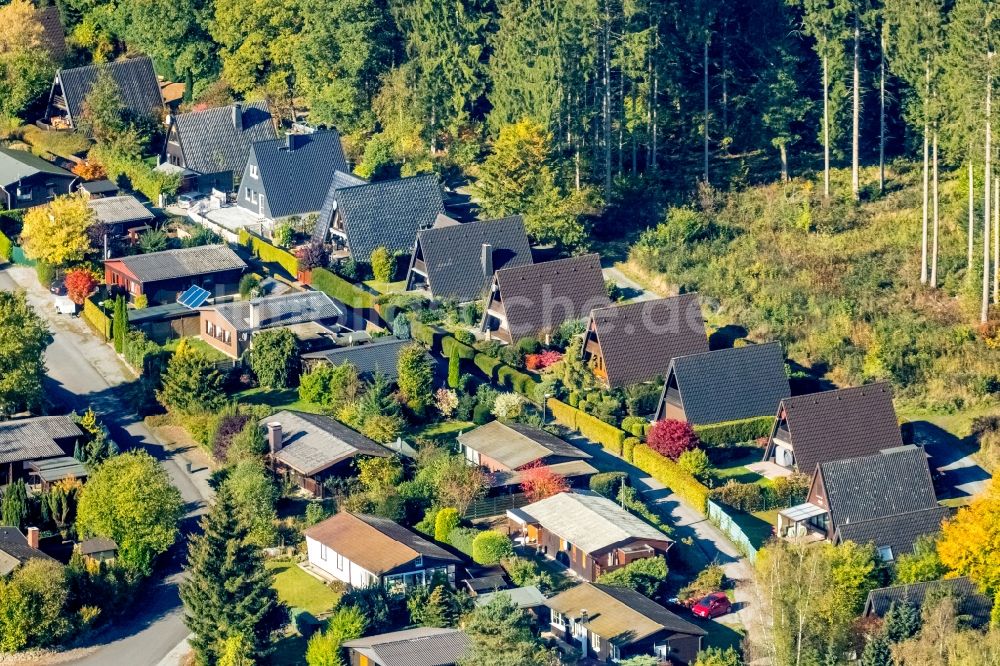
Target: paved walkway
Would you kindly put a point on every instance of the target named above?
(632, 289)
(83, 371)
(708, 543)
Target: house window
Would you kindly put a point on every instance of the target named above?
(558, 619)
(226, 337)
(210, 328)
(614, 653)
(595, 642)
(340, 561)
(885, 554)
(24, 194)
(562, 544)
(254, 171)
(247, 194)
(322, 551)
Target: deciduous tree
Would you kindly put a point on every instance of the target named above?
(970, 542)
(26, 64)
(56, 233)
(23, 339)
(415, 377)
(671, 437)
(274, 358)
(80, 283)
(538, 481)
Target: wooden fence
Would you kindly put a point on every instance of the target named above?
(494, 506)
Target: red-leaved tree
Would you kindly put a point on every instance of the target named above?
(671, 438)
(539, 482)
(80, 283)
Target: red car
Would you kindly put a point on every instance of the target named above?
(713, 605)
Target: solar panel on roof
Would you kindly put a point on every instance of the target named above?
(194, 297)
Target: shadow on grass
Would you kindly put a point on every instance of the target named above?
(720, 635)
(289, 651)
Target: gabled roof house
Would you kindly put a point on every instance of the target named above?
(17, 549)
(971, 603)
(27, 180)
(886, 499)
(120, 214)
(457, 262)
(587, 533)
(507, 449)
(360, 550)
(635, 342)
(26, 441)
(137, 85)
(230, 327)
(612, 624)
(536, 299)
(161, 276)
(380, 355)
(724, 385)
(833, 425)
(422, 646)
(388, 213)
(291, 176)
(310, 448)
(218, 141)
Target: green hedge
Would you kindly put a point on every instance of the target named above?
(269, 253)
(6, 248)
(628, 447)
(94, 316)
(605, 434)
(487, 365)
(449, 343)
(671, 475)
(733, 432)
(563, 413)
(517, 381)
(337, 287)
(608, 483)
(424, 333)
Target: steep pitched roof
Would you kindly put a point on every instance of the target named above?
(638, 340)
(14, 550)
(897, 532)
(18, 164)
(376, 544)
(34, 438)
(381, 355)
(589, 521)
(892, 482)
(730, 384)
(184, 262)
(846, 423)
(137, 84)
(296, 172)
(282, 310)
(386, 213)
(118, 209)
(53, 33)
(540, 297)
(619, 614)
(423, 646)
(453, 255)
(514, 445)
(219, 139)
(971, 601)
(312, 443)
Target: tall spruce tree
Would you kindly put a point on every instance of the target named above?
(119, 324)
(14, 507)
(228, 591)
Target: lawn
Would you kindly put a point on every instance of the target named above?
(730, 464)
(289, 651)
(756, 526)
(300, 590)
(386, 287)
(279, 399)
(198, 345)
(444, 432)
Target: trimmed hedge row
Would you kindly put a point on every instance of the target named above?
(487, 365)
(94, 316)
(628, 447)
(563, 413)
(6, 247)
(732, 432)
(449, 343)
(337, 287)
(670, 474)
(517, 381)
(591, 427)
(269, 253)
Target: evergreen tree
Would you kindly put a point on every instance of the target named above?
(415, 378)
(274, 358)
(877, 651)
(192, 384)
(500, 634)
(14, 507)
(902, 621)
(119, 324)
(454, 368)
(228, 591)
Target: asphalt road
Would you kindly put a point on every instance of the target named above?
(83, 371)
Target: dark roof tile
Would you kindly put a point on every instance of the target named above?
(971, 601)
(898, 532)
(219, 139)
(181, 263)
(137, 83)
(380, 355)
(295, 180)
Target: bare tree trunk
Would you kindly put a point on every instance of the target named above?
(621, 111)
(996, 240)
(923, 237)
(934, 248)
(607, 100)
(984, 311)
(783, 150)
(855, 175)
(826, 126)
(972, 223)
(881, 119)
(705, 67)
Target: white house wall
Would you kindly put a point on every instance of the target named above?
(337, 566)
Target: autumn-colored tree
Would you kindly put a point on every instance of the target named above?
(80, 283)
(538, 481)
(26, 65)
(56, 233)
(89, 170)
(671, 438)
(970, 542)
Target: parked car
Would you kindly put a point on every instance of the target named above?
(189, 199)
(58, 287)
(713, 605)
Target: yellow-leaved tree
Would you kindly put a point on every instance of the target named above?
(56, 233)
(970, 542)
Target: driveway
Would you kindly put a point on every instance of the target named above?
(84, 371)
(632, 290)
(958, 473)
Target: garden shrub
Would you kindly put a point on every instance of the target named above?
(465, 337)
(528, 345)
(641, 399)
(574, 399)
(6, 247)
(143, 354)
(634, 425)
(46, 273)
(628, 447)
(490, 547)
(746, 497)
(605, 434)
(450, 344)
(671, 437)
(608, 483)
(735, 432)
(670, 474)
(482, 413)
(696, 463)
(428, 524)
(269, 253)
(462, 538)
(445, 521)
(708, 580)
(487, 365)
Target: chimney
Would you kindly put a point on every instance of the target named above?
(293, 141)
(33, 537)
(254, 316)
(487, 258)
(274, 436)
(238, 116)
